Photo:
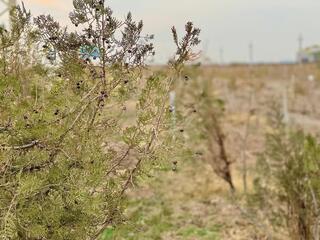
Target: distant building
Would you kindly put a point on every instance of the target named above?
(309, 55)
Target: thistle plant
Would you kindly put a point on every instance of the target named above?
(70, 147)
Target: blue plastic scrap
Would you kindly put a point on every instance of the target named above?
(89, 51)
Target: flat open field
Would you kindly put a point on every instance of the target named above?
(193, 203)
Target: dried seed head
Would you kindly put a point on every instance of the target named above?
(56, 112)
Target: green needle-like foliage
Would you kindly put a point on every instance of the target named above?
(288, 185)
(69, 145)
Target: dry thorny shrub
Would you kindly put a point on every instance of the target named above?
(61, 177)
(288, 184)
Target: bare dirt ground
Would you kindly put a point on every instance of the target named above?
(193, 203)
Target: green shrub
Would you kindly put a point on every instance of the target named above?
(289, 186)
(69, 146)
(202, 112)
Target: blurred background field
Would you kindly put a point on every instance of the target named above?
(193, 203)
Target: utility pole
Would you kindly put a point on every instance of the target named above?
(205, 54)
(251, 59)
(8, 4)
(300, 41)
(300, 46)
(221, 53)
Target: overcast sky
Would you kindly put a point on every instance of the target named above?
(273, 26)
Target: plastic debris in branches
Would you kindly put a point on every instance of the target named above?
(50, 52)
(51, 55)
(87, 52)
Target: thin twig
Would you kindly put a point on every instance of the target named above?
(22, 147)
(244, 147)
(119, 161)
(152, 139)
